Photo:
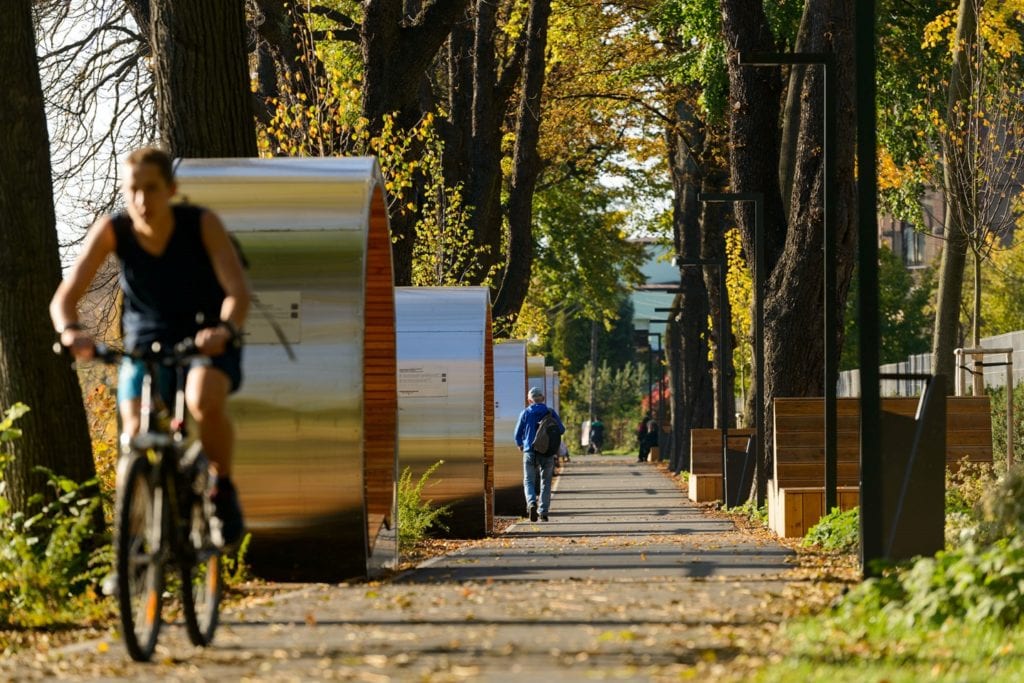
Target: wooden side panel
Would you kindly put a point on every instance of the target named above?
(800, 508)
(799, 441)
(813, 508)
(380, 377)
(706, 448)
(848, 499)
(704, 488)
(488, 426)
(792, 514)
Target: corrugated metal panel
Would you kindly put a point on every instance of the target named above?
(443, 344)
(315, 455)
(510, 389)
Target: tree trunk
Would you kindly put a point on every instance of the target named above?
(793, 339)
(791, 120)
(526, 166)
(979, 361)
(957, 181)
(396, 56)
(492, 95)
(687, 340)
(712, 221)
(458, 128)
(56, 435)
(481, 91)
(794, 343)
(283, 55)
(204, 104)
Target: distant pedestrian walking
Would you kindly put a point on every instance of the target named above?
(596, 436)
(642, 440)
(534, 440)
(652, 440)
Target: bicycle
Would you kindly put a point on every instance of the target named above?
(162, 513)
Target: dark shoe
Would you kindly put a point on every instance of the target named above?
(533, 513)
(226, 524)
(543, 518)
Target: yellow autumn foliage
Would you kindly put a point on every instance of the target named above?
(997, 26)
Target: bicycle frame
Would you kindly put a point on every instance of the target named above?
(167, 449)
(173, 486)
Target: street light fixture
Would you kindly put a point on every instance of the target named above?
(828, 63)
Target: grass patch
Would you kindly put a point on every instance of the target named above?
(955, 653)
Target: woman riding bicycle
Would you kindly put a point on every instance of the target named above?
(181, 277)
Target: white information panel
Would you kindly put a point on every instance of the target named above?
(270, 310)
(422, 381)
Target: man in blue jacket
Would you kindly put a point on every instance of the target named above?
(535, 464)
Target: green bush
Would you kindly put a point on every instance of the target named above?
(967, 485)
(416, 515)
(839, 530)
(50, 557)
(1000, 511)
(749, 509)
(977, 584)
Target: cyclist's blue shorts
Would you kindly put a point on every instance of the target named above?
(129, 380)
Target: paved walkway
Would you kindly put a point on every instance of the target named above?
(613, 519)
(628, 581)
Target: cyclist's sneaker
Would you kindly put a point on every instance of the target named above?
(226, 524)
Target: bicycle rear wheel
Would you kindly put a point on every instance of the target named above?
(201, 581)
(140, 576)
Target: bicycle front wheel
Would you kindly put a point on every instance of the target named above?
(201, 581)
(140, 576)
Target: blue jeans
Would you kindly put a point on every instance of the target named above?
(534, 466)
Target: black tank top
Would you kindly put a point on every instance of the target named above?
(171, 296)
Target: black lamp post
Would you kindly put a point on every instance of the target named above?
(871, 543)
(828, 63)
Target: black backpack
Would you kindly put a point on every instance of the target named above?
(549, 436)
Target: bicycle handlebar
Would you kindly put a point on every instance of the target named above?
(182, 353)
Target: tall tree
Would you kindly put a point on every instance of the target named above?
(484, 66)
(56, 433)
(526, 165)
(793, 342)
(982, 163)
(201, 71)
(688, 341)
(398, 49)
(958, 188)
